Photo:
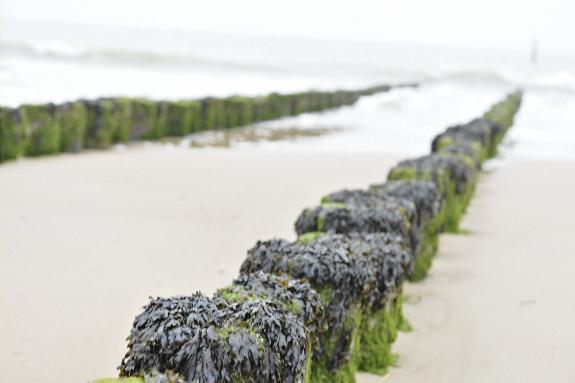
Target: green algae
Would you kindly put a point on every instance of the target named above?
(72, 119)
(143, 122)
(428, 245)
(97, 135)
(227, 331)
(379, 331)
(238, 111)
(97, 124)
(308, 238)
(503, 114)
(13, 135)
(455, 203)
(213, 114)
(43, 130)
(293, 307)
(109, 121)
(345, 371)
(332, 205)
(235, 294)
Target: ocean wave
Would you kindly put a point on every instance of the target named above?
(562, 81)
(58, 50)
(475, 76)
(530, 78)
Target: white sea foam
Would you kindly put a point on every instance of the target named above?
(57, 63)
(402, 121)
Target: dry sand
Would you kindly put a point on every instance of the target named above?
(85, 241)
(499, 303)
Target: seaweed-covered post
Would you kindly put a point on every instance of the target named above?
(238, 111)
(43, 130)
(503, 114)
(178, 118)
(354, 276)
(300, 103)
(213, 340)
(477, 136)
(118, 114)
(339, 279)
(32, 130)
(144, 114)
(358, 212)
(13, 134)
(277, 105)
(213, 116)
(382, 317)
(108, 121)
(430, 218)
(175, 117)
(454, 175)
(419, 203)
(72, 118)
(294, 296)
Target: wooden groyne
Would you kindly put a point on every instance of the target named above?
(329, 304)
(36, 130)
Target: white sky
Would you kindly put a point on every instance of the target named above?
(486, 22)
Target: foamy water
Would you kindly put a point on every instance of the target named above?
(403, 121)
(545, 126)
(54, 63)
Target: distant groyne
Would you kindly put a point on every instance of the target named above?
(36, 130)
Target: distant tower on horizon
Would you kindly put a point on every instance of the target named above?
(534, 50)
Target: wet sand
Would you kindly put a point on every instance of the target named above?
(86, 239)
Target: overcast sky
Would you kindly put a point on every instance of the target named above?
(489, 22)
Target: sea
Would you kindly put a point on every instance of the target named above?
(57, 62)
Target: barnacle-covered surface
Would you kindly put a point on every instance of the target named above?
(205, 341)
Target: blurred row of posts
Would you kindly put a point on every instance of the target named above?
(34, 130)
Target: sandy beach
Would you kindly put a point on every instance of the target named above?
(498, 303)
(188, 131)
(87, 238)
